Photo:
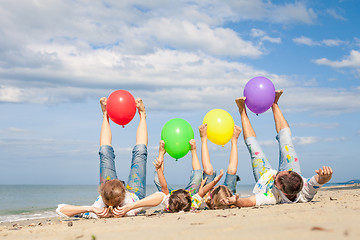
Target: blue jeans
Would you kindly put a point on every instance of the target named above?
(193, 185)
(287, 156)
(230, 180)
(137, 177)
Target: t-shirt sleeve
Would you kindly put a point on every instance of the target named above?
(131, 198)
(267, 198)
(99, 203)
(311, 186)
(165, 201)
(196, 201)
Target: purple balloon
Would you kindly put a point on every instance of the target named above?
(260, 94)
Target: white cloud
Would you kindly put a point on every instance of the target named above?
(333, 13)
(332, 42)
(326, 42)
(287, 13)
(271, 39)
(262, 35)
(188, 36)
(320, 101)
(311, 140)
(316, 125)
(305, 41)
(13, 130)
(352, 61)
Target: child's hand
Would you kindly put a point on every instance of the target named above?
(230, 200)
(324, 174)
(158, 163)
(217, 178)
(202, 184)
(121, 211)
(101, 212)
(192, 144)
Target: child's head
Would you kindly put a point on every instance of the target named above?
(112, 192)
(179, 200)
(216, 195)
(289, 182)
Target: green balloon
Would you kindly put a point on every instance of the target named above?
(176, 134)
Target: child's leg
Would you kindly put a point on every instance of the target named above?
(196, 174)
(260, 164)
(231, 178)
(137, 176)
(287, 158)
(106, 152)
(209, 172)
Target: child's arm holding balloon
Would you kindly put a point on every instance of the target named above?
(159, 168)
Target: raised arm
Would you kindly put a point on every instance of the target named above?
(205, 189)
(159, 168)
(324, 174)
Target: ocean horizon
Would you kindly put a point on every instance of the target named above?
(25, 202)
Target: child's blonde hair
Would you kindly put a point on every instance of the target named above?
(179, 200)
(112, 192)
(215, 196)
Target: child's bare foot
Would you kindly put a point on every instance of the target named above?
(202, 131)
(140, 106)
(192, 144)
(236, 134)
(103, 101)
(277, 95)
(240, 102)
(162, 150)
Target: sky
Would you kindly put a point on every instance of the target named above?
(183, 58)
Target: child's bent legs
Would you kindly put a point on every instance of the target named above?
(288, 159)
(137, 177)
(260, 164)
(195, 181)
(231, 181)
(209, 177)
(107, 163)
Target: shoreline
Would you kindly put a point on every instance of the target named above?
(333, 213)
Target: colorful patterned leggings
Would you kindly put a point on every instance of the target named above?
(287, 156)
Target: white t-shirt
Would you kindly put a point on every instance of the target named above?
(266, 192)
(99, 203)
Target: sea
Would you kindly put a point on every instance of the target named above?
(26, 202)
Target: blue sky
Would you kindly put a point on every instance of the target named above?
(184, 58)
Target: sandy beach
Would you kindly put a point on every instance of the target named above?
(334, 213)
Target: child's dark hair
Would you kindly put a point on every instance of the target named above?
(218, 193)
(112, 192)
(291, 183)
(179, 200)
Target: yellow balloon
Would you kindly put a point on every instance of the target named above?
(220, 126)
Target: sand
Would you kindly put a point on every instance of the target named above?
(334, 213)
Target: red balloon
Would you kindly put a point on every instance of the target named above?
(121, 107)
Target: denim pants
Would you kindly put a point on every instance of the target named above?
(287, 156)
(193, 185)
(230, 180)
(137, 177)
